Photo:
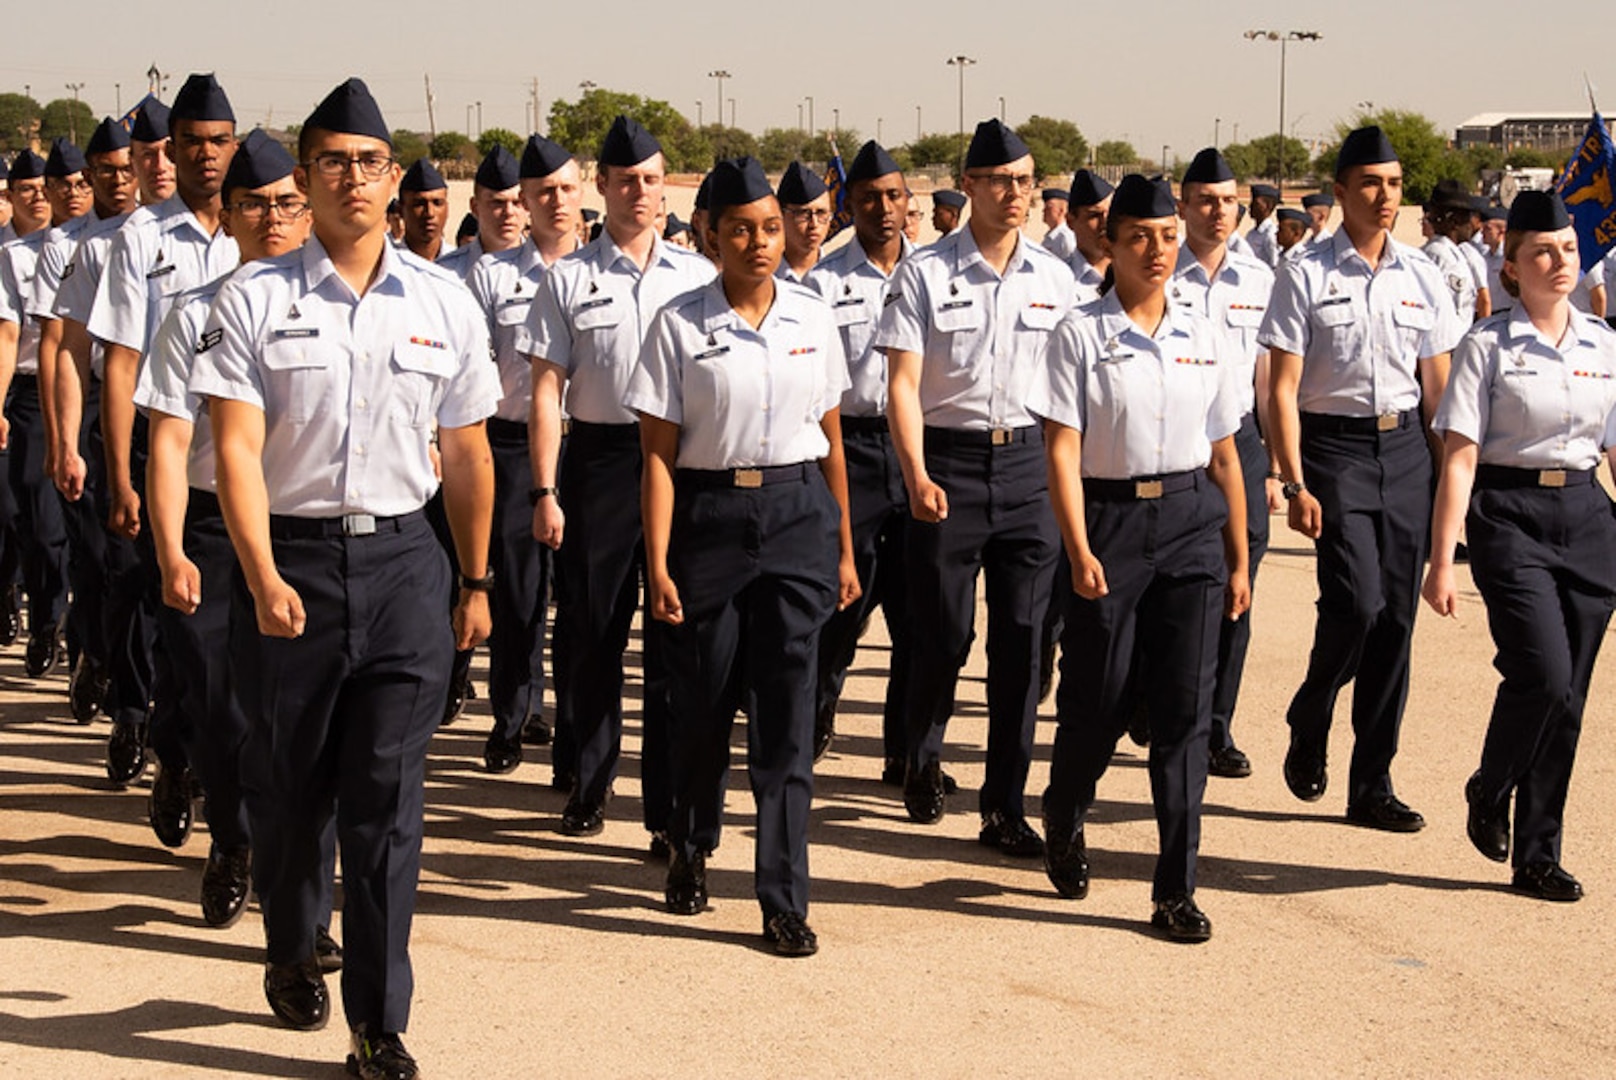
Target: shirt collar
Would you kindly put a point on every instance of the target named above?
(608, 254)
(173, 215)
(1114, 322)
(1520, 328)
(966, 253)
(717, 314)
(1191, 267)
(317, 267)
(1341, 245)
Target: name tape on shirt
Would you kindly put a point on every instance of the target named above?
(297, 332)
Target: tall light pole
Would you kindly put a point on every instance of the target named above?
(812, 131)
(479, 119)
(720, 74)
(117, 90)
(917, 123)
(1284, 38)
(799, 116)
(698, 114)
(877, 129)
(835, 124)
(1001, 108)
(73, 118)
(586, 85)
(468, 119)
(731, 112)
(962, 62)
(1217, 123)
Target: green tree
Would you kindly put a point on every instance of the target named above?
(936, 148)
(1528, 158)
(727, 142)
(1420, 145)
(581, 125)
(449, 145)
(409, 147)
(66, 118)
(497, 136)
(779, 147)
(18, 113)
(1115, 152)
(1058, 147)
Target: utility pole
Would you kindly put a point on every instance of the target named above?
(117, 89)
(720, 74)
(812, 131)
(533, 89)
(431, 114)
(73, 117)
(962, 62)
(1284, 38)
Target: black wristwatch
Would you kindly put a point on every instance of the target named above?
(478, 584)
(1292, 489)
(538, 493)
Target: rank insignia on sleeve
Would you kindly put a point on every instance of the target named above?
(210, 338)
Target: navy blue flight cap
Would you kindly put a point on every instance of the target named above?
(498, 170)
(64, 159)
(589, 213)
(468, 227)
(1495, 213)
(1264, 191)
(27, 165)
(994, 144)
(349, 109)
(1209, 167)
(948, 197)
(872, 161)
(259, 160)
(1050, 193)
(675, 226)
(1364, 146)
(151, 122)
(627, 143)
(1318, 198)
(422, 175)
(1287, 213)
(736, 182)
(704, 192)
(541, 157)
(109, 135)
(1088, 189)
(1138, 197)
(800, 185)
(1480, 204)
(201, 98)
(1537, 211)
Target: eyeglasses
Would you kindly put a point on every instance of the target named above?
(916, 214)
(336, 166)
(290, 207)
(1001, 183)
(114, 172)
(802, 215)
(72, 187)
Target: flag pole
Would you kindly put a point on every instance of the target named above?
(1592, 104)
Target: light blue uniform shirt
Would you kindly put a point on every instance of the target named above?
(81, 278)
(857, 290)
(163, 379)
(1234, 301)
(981, 337)
(1060, 241)
(743, 398)
(1146, 404)
(1531, 403)
(1088, 279)
(19, 262)
(1360, 335)
(60, 243)
(1263, 240)
(460, 261)
(505, 285)
(592, 315)
(1456, 274)
(351, 386)
(161, 252)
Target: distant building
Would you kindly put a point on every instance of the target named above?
(1522, 130)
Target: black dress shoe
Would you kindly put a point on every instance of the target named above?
(169, 805)
(10, 619)
(923, 794)
(790, 934)
(1182, 920)
(1139, 722)
(659, 848)
(686, 892)
(537, 732)
(581, 818)
(501, 755)
(44, 649)
(126, 753)
(1229, 762)
(226, 884)
(1066, 860)
(459, 688)
(1546, 881)
(379, 1057)
(1387, 813)
(893, 770)
(1305, 774)
(1011, 835)
(327, 953)
(1487, 825)
(824, 726)
(297, 994)
(86, 689)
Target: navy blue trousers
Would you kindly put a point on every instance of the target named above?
(1234, 638)
(1165, 569)
(756, 572)
(519, 605)
(999, 525)
(84, 521)
(40, 531)
(1545, 562)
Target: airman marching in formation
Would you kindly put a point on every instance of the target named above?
(280, 455)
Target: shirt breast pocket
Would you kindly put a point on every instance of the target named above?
(598, 313)
(420, 371)
(512, 313)
(1338, 324)
(1039, 318)
(1413, 323)
(295, 379)
(851, 312)
(706, 390)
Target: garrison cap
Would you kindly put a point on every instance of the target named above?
(1088, 189)
(27, 165)
(1538, 211)
(422, 175)
(109, 136)
(541, 157)
(704, 192)
(872, 161)
(799, 186)
(468, 227)
(1480, 204)
(1264, 191)
(994, 144)
(589, 213)
(259, 160)
(675, 226)
(949, 197)
(1364, 146)
(1317, 198)
(1495, 213)
(151, 122)
(1138, 197)
(736, 182)
(1209, 167)
(64, 159)
(498, 170)
(1287, 213)
(350, 110)
(1049, 194)
(627, 143)
(201, 98)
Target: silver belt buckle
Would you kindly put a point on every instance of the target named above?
(566, 426)
(1551, 478)
(1147, 489)
(1001, 436)
(358, 525)
(1386, 421)
(748, 478)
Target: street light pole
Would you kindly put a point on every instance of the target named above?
(917, 123)
(1001, 108)
(962, 62)
(812, 131)
(1284, 38)
(73, 118)
(731, 112)
(720, 74)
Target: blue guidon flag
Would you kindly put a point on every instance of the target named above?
(1586, 187)
(841, 215)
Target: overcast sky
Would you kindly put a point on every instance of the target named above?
(1173, 82)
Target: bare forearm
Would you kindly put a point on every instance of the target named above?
(1284, 418)
(1452, 497)
(1063, 452)
(50, 341)
(904, 416)
(545, 446)
(67, 387)
(468, 494)
(168, 487)
(118, 412)
(1224, 471)
(834, 468)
